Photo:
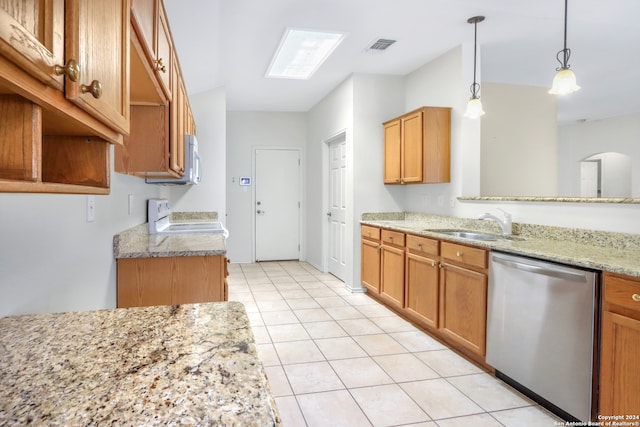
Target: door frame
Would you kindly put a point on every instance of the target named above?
(301, 216)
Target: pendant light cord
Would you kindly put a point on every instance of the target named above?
(475, 86)
(566, 53)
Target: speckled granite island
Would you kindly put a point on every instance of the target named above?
(166, 365)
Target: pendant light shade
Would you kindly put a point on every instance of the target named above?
(474, 107)
(565, 80)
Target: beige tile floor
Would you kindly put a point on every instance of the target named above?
(334, 358)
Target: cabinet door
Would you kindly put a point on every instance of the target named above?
(178, 123)
(392, 148)
(412, 148)
(463, 307)
(619, 377)
(97, 38)
(370, 265)
(422, 288)
(32, 36)
(144, 14)
(164, 61)
(392, 275)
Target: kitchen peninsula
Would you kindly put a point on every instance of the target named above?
(189, 364)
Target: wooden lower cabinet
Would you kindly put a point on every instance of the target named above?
(620, 346)
(171, 280)
(422, 288)
(370, 268)
(392, 268)
(463, 307)
(463, 296)
(439, 285)
(370, 261)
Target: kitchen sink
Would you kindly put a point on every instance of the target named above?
(475, 235)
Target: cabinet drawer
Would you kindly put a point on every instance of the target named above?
(422, 244)
(475, 257)
(370, 232)
(622, 292)
(393, 237)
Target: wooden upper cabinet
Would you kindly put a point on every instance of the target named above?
(412, 152)
(32, 37)
(80, 47)
(392, 149)
(417, 147)
(149, 21)
(144, 19)
(98, 39)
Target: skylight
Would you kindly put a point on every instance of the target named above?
(301, 52)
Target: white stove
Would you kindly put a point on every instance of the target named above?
(160, 222)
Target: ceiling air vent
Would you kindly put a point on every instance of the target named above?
(379, 45)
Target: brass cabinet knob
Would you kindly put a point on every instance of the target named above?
(71, 70)
(160, 65)
(635, 297)
(459, 253)
(95, 89)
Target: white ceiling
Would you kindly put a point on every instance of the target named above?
(230, 43)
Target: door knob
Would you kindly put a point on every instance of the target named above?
(328, 213)
(258, 203)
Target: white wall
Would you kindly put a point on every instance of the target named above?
(52, 260)
(329, 117)
(376, 99)
(245, 132)
(580, 140)
(441, 83)
(519, 141)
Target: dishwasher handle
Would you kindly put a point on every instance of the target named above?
(548, 270)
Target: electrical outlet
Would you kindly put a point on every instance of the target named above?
(91, 208)
(452, 202)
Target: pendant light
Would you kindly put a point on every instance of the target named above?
(565, 81)
(474, 107)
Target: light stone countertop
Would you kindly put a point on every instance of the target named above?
(192, 364)
(136, 242)
(598, 250)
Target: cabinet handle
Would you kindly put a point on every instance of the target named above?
(95, 89)
(459, 253)
(160, 66)
(71, 70)
(635, 297)
(433, 263)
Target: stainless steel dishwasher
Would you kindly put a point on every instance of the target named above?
(541, 320)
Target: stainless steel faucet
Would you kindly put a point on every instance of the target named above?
(504, 222)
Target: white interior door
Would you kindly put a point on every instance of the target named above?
(337, 208)
(277, 204)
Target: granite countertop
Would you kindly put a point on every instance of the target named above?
(136, 242)
(606, 251)
(192, 364)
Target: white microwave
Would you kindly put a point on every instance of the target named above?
(191, 166)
